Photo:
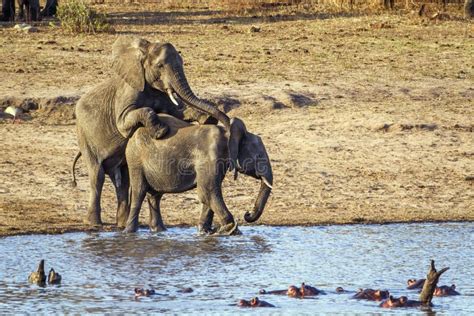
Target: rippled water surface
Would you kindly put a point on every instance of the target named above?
(100, 270)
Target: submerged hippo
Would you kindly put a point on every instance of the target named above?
(445, 290)
(340, 290)
(415, 284)
(402, 301)
(293, 291)
(254, 302)
(185, 290)
(371, 295)
(426, 295)
(54, 277)
(144, 292)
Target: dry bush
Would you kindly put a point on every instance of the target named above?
(76, 16)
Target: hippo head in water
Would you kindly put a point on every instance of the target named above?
(415, 284)
(307, 290)
(144, 292)
(402, 301)
(446, 290)
(371, 295)
(293, 291)
(254, 302)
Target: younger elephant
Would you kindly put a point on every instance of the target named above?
(191, 156)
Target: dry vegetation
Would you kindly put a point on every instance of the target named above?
(367, 118)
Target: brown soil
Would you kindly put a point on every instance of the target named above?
(362, 123)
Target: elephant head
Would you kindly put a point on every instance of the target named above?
(252, 158)
(144, 65)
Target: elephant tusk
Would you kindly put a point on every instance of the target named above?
(170, 94)
(267, 183)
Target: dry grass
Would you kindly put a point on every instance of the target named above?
(300, 6)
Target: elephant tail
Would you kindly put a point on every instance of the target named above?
(74, 183)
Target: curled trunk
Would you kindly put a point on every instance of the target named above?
(261, 201)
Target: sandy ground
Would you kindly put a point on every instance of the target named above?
(367, 119)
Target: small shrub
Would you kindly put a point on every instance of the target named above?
(77, 17)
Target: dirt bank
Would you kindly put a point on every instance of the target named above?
(363, 124)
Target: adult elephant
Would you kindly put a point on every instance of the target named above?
(8, 10)
(191, 156)
(146, 77)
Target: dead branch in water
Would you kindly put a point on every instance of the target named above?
(431, 282)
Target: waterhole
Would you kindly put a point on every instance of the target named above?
(101, 270)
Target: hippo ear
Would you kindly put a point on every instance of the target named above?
(128, 54)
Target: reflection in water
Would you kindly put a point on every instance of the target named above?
(100, 270)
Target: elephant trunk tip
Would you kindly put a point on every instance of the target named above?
(250, 218)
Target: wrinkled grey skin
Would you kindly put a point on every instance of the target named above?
(192, 156)
(145, 75)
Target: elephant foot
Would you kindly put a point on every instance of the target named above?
(206, 230)
(130, 229)
(230, 229)
(159, 131)
(122, 222)
(93, 220)
(158, 228)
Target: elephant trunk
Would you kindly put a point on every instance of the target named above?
(265, 190)
(181, 87)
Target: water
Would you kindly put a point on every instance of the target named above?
(100, 270)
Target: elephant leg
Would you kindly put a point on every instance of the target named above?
(121, 183)
(211, 194)
(21, 10)
(28, 13)
(130, 121)
(96, 180)
(156, 222)
(205, 220)
(138, 192)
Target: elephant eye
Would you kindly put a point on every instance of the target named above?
(160, 65)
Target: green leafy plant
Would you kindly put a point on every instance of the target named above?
(77, 17)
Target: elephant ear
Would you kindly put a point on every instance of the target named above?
(237, 132)
(128, 54)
